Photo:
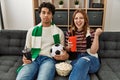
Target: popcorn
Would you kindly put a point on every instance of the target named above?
(63, 68)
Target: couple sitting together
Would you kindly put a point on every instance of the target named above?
(43, 36)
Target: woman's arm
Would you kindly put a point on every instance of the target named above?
(95, 44)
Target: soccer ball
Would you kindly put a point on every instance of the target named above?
(57, 49)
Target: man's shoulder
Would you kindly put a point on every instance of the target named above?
(30, 29)
(33, 27)
(60, 30)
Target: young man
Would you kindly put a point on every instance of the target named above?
(40, 40)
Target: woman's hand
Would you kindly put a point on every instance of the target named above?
(68, 48)
(25, 60)
(63, 56)
(98, 31)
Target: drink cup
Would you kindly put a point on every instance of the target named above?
(27, 54)
(72, 40)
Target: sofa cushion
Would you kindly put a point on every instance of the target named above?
(110, 69)
(12, 42)
(109, 45)
(92, 77)
(57, 77)
(8, 67)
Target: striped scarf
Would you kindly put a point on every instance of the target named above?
(36, 41)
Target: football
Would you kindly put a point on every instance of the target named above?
(57, 50)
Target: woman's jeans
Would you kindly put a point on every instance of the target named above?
(83, 65)
(43, 68)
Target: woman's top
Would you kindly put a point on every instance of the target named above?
(83, 42)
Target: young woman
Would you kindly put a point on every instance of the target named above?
(87, 44)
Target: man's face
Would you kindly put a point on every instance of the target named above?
(46, 15)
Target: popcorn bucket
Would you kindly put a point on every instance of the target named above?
(63, 68)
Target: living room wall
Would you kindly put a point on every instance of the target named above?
(112, 22)
(18, 14)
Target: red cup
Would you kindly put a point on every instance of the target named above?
(72, 40)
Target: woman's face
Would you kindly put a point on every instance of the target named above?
(79, 21)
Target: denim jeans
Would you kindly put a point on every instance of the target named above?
(83, 65)
(43, 68)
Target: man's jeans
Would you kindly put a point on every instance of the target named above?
(82, 66)
(43, 68)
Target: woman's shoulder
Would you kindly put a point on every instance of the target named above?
(90, 32)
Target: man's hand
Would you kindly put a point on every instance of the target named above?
(63, 56)
(25, 60)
